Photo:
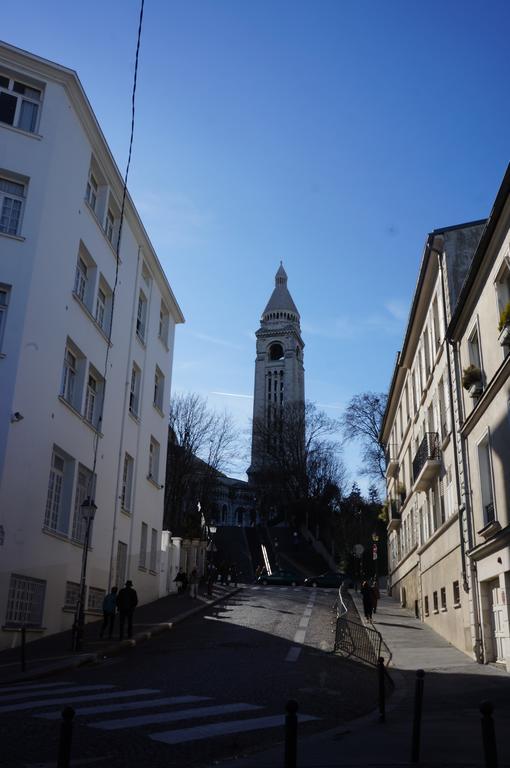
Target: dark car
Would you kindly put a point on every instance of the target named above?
(328, 579)
(280, 577)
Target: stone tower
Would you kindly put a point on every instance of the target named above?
(279, 372)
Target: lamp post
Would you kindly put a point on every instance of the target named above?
(88, 510)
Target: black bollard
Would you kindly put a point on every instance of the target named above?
(418, 700)
(382, 692)
(66, 736)
(290, 760)
(23, 648)
(488, 735)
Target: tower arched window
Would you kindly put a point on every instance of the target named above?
(276, 351)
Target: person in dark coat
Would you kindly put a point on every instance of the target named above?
(375, 595)
(366, 593)
(127, 600)
(109, 609)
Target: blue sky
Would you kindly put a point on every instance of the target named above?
(330, 135)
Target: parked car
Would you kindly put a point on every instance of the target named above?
(280, 577)
(328, 579)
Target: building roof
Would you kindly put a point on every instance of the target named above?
(492, 221)
(280, 298)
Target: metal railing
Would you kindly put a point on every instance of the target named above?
(428, 451)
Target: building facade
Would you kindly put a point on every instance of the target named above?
(86, 347)
(279, 371)
(480, 334)
(426, 525)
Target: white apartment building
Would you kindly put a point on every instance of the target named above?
(60, 206)
(480, 333)
(426, 527)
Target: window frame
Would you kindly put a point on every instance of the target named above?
(20, 602)
(154, 456)
(14, 197)
(134, 391)
(141, 316)
(144, 536)
(22, 98)
(127, 483)
(5, 290)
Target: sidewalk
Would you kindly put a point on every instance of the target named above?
(454, 687)
(52, 654)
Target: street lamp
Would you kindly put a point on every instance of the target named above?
(88, 511)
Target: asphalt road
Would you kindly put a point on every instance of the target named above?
(212, 688)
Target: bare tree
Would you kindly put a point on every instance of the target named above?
(362, 422)
(301, 467)
(201, 444)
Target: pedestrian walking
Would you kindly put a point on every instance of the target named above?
(127, 600)
(109, 609)
(233, 574)
(180, 580)
(211, 577)
(366, 593)
(193, 583)
(375, 595)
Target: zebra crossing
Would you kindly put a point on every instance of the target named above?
(106, 707)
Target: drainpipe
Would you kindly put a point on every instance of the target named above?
(463, 505)
(120, 467)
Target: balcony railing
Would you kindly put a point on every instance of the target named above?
(394, 515)
(391, 453)
(489, 512)
(427, 462)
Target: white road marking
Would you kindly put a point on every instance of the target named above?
(293, 653)
(182, 735)
(299, 637)
(74, 689)
(23, 687)
(127, 705)
(71, 699)
(172, 717)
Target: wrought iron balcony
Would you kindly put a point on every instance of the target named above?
(427, 462)
(391, 454)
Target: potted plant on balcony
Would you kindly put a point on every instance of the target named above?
(472, 380)
(504, 326)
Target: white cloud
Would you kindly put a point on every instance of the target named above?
(175, 221)
(215, 340)
(398, 308)
(232, 394)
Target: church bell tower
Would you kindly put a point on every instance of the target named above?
(279, 371)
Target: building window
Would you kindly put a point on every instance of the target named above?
(141, 316)
(84, 488)
(80, 280)
(456, 594)
(485, 474)
(436, 604)
(436, 328)
(154, 549)
(93, 398)
(12, 194)
(19, 104)
(134, 391)
(475, 357)
(72, 594)
(109, 225)
(25, 601)
(163, 323)
(103, 305)
(95, 601)
(426, 605)
(4, 302)
(121, 563)
(143, 546)
(159, 389)
(91, 191)
(54, 498)
(69, 388)
(127, 483)
(154, 460)
(443, 598)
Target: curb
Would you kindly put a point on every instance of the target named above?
(114, 649)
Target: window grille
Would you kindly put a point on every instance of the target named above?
(25, 602)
